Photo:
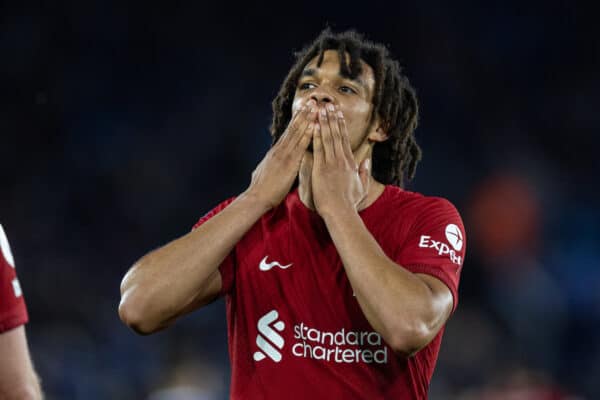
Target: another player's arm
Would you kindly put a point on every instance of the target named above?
(407, 309)
(183, 275)
(18, 379)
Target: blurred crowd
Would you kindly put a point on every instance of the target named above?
(121, 124)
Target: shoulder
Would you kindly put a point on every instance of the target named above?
(434, 207)
(413, 212)
(271, 216)
(415, 203)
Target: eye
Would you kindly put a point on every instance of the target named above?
(347, 90)
(306, 86)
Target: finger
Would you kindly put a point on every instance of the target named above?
(326, 139)
(303, 130)
(295, 114)
(298, 121)
(304, 107)
(318, 155)
(336, 134)
(305, 139)
(347, 149)
(300, 126)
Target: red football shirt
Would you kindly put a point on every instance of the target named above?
(295, 329)
(12, 306)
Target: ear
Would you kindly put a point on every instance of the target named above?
(378, 132)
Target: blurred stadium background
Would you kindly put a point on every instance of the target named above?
(122, 123)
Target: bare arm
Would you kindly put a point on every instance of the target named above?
(18, 380)
(183, 275)
(407, 309)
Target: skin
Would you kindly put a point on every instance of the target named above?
(18, 380)
(353, 100)
(340, 186)
(336, 115)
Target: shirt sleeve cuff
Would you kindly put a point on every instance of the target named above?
(13, 321)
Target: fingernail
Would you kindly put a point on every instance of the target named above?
(323, 112)
(368, 164)
(311, 102)
(340, 114)
(330, 107)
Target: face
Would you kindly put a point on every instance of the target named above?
(353, 97)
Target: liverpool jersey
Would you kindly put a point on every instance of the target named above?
(12, 306)
(295, 328)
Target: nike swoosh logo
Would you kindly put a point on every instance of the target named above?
(265, 266)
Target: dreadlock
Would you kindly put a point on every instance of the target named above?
(394, 100)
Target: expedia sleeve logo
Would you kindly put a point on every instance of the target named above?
(454, 244)
(454, 237)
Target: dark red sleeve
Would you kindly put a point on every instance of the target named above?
(13, 312)
(227, 267)
(436, 244)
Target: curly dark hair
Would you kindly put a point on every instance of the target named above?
(394, 100)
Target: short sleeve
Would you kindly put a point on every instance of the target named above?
(227, 267)
(436, 244)
(13, 312)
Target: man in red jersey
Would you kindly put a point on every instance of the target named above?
(18, 379)
(338, 283)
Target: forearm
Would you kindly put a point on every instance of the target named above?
(183, 275)
(166, 281)
(396, 302)
(21, 389)
(18, 379)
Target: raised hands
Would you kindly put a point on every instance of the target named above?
(274, 176)
(337, 181)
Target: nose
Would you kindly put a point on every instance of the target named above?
(322, 96)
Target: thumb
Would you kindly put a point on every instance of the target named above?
(364, 171)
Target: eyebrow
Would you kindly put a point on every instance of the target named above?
(313, 72)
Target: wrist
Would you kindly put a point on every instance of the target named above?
(255, 201)
(337, 213)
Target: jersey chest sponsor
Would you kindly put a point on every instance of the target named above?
(343, 346)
